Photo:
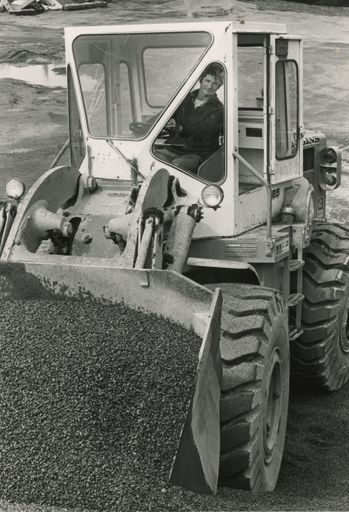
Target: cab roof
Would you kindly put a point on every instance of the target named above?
(235, 26)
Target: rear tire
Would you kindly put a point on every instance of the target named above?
(255, 386)
(321, 355)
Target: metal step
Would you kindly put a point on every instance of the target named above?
(295, 265)
(294, 334)
(294, 299)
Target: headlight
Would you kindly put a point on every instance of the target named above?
(212, 196)
(330, 168)
(329, 155)
(15, 189)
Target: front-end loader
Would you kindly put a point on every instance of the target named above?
(239, 251)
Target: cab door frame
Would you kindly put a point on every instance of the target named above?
(283, 164)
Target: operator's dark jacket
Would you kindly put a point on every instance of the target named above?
(201, 126)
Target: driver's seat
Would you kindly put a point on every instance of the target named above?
(213, 168)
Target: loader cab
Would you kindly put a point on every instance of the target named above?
(127, 83)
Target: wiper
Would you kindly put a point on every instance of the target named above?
(134, 168)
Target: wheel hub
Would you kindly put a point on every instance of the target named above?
(272, 406)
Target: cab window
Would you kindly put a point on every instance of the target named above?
(286, 115)
(250, 77)
(127, 80)
(192, 140)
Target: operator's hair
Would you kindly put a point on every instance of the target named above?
(216, 70)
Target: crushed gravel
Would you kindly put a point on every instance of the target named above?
(92, 402)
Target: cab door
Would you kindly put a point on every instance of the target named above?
(285, 108)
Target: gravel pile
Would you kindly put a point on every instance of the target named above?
(92, 402)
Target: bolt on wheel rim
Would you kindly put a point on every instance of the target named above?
(272, 406)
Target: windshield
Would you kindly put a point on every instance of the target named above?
(128, 79)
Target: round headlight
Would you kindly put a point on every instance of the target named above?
(15, 189)
(329, 155)
(212, 196)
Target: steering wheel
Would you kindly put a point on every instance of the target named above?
(139, 128)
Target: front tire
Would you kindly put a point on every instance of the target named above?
(321, 355)
(255, 386)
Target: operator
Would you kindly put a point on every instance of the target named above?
(196, 128)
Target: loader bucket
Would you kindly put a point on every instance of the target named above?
(165, 293)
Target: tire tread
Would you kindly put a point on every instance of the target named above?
(316, 355)
(247, 319)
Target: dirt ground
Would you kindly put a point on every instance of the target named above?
(315, 470)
